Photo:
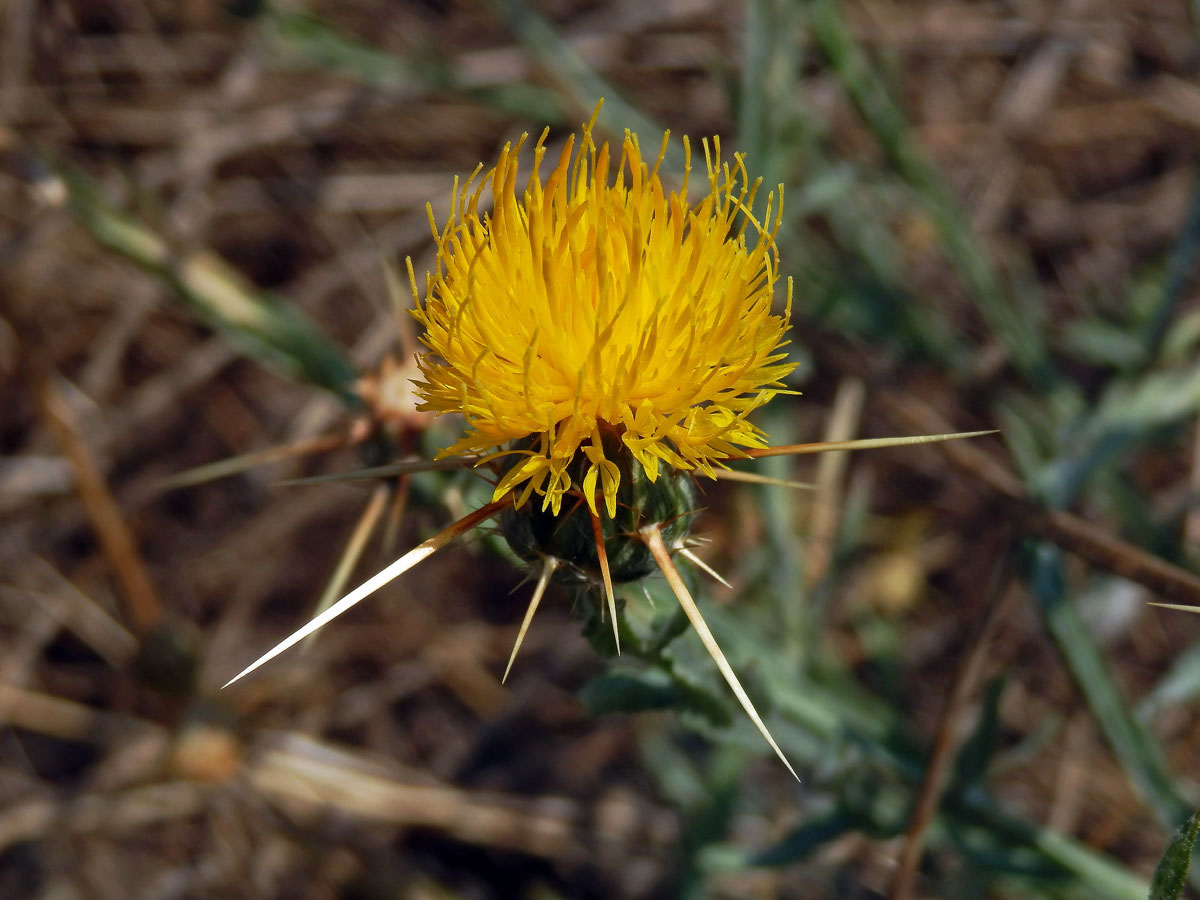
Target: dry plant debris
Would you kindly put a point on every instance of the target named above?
(386, 757)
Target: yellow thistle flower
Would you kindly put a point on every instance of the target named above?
(598, 303)
(596, 327)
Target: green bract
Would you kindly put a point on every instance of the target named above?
(534, 533)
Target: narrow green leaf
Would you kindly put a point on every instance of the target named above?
(631, 692)
(628, 692)
(1157, 398)
(978, 750)
(1135, 748)
(1015, 325)
(1181, 264)
(261, 326)
(315, 44)
(1171, 875)
(310, 42)
(1103, 343)
(1180, 685)
(807, 838)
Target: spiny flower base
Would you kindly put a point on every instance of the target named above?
(651, 516)
(535, 533)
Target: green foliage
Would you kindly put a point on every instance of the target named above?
(979, 749)
(669, 501)
(264, 327)
(1171, 875)
(1133, 743)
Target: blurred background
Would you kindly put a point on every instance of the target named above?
(992, 219)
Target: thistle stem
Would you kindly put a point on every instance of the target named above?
(237, 464)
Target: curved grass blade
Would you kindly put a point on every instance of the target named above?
(580, 80)
(235, 465)
(1138, 751)
(262, 326)
(1009, 319)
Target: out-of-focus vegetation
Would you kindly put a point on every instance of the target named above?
(992, 219)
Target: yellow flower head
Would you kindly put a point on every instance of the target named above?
(596, 303)
(593, 327)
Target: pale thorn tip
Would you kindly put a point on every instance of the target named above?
(549, 564)
(703, 566)
(371, 585)
(646, 593)
(653, 539)
(1180, 607)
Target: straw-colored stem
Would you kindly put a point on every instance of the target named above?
(142, 603)
(391, 528)
(391, 470)
(826, 508)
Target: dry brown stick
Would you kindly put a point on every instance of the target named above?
(117, 541)
(944, 743)
(827, 501)
(106, 812)
(300, 773)
(57, 717)
(41, 583)
(1087, 541)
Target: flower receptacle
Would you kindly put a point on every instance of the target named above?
(668, 501)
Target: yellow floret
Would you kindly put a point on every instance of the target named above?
(586, 305)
